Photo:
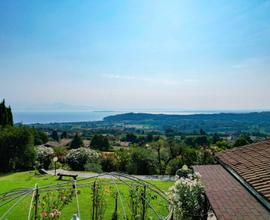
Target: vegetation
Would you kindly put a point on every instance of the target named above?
(44, 156)
(78, 158)
(29, 179)
(16, 149)
(100, 142)
(76, 142)
(6, 117)
(187, 196)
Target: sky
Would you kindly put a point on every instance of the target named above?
(183, 54)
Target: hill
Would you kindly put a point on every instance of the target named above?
(222, 122)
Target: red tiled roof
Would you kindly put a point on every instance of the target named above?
(228, 198)
(252, 163)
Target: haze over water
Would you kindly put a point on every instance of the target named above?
(75, 116)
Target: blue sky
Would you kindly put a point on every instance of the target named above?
(136, 54)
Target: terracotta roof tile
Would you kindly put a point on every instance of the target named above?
(228, 198)
(252, 163)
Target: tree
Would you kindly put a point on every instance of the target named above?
(40, 137)
(202, 132)
(142, 162)
(130, 137)
(64, 135)
(243, 139)
(54, 135)
(76, 142)
(215, 138)
(100, 142)
(6, 117)
(16, 149)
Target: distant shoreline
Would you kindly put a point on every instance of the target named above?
(93, 116)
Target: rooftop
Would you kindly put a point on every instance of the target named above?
(228, 198)
(252, 163)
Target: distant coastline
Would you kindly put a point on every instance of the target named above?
(98, 115)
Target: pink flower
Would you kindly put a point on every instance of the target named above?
(44, 214)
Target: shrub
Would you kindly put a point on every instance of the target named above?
(187, 197)
(60, 152)
(174, 165)
(142, 162)
(123, 159)
(16, 149)
(77, 158)
(44, 156)
(100, 142)
(109, 162)
(93, 167)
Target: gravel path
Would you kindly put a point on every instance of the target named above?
(87, 174)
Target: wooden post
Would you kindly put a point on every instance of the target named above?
(115, 215)
(144, 202)
(93, 200)
(36, 203)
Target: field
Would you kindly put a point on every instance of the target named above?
(29, 179)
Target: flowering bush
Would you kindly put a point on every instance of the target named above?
(44, 156)
(78, 158)
(187, 196)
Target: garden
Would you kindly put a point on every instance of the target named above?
(25, 195)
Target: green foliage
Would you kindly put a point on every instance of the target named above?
(77, 158)
(138, 195)
(242, 140)
(187, 197)
(16, 149)
(174, 165)
(76, 142)
(123, 159)
(51, 204)
(216, 138)
(60, 152)
(54, 135)
(6, 117)
(109, 162)
(64, 135)
(142, 161)
(40, 137)
(93, 167)
(130, 137)
(100, 142)
(223, 144)
(98, 201)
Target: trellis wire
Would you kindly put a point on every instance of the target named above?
(120, 176)
(123, 208)
(31, 203)
(77, 199)
(13, 206)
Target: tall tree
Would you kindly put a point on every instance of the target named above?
(6, 117)
(55, 135)
(76, 142)
(100, 142)
(16, 149)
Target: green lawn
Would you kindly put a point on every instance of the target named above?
(28, 179)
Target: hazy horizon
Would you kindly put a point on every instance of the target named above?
(186, 55)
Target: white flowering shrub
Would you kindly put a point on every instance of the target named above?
(187, 196)
(78, 158)
(44, 156)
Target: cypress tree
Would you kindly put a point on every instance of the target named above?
(6, 117)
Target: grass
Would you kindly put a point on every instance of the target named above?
(29, 179)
